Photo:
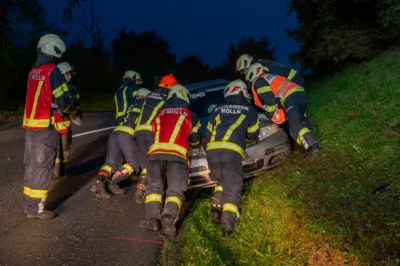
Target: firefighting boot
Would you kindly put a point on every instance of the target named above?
(99, 188)
(45, 214)
(141, 189)
(310, 144)
(229, 222)
(216, 205)
(168, 228)
(57, 171)
(115, 179)
(150, 224)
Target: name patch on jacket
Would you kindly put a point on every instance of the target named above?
(174, 111)
(232, 109)
(157, 96)
(37, 75)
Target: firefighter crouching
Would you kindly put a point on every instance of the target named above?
(143, 131)
(283, 100)
(126, 94)
(175, 127)
(75, 115)
(120, 145)
(231, 125)
(46, 100)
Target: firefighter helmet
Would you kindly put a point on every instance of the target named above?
(179, 91)
(237, 87)
(143, 92)
(243, 62)
(254, 71)
(132, 74)
(51, 44)
(168, 81)
(65, 67)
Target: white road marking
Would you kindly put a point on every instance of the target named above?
(90, 132)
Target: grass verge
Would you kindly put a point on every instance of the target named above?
(341, 208)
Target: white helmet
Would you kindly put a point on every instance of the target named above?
(179, 91)
(143, 92)
(65, 67)
(236, 87)
(254, 71)
(51, 44)
(132, 74)
(243, 62)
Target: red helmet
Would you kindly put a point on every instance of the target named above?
(168, 81)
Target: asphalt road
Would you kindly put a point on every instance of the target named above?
(87, 231)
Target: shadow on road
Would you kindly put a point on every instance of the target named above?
(78, 174)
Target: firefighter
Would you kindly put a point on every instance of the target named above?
(231, 125)
(46, 101)
(126, 93)
(244, 61)
(143, 131)
(120, 145)
(175, 128)
(75, 115)
(283, 100)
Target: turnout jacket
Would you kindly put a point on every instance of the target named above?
(124, 98)
(231, 124)
(128, 123)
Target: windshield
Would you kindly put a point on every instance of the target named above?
(204, 100)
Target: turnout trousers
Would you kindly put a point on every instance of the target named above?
(177, 179)
(226, 169)
(62, 157)
(144, 139)
(299, 125)
(120, 145)
(39, 156)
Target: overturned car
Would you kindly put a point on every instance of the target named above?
(260, 157)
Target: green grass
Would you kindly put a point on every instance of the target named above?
(340, 208)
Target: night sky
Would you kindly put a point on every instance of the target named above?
(205, 29)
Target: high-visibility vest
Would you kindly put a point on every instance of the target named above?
(172, 128)
(282, 88)
(39, 98)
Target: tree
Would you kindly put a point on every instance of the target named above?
(92, 27)
(259, 48)
(191, 69)
(147, 52)
(69, 5)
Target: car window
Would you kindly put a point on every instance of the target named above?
(204, 101)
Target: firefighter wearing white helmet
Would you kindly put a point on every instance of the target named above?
(126, 93)
(283, 100)
(175, 129)
(43, 121)
(121, 145)
(74, 114)
(231, 125)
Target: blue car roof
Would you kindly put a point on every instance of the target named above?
(207, 83)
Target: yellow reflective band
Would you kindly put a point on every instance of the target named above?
(125, 129)
(167, 146)
(176, 129)
(65, 87)
(292, 74)
(226, 145)
(302, 132)
(175, 200)
(153, 198)
(143, 127)
(125, 103)
(154, 113)
(255, 127)
(218, 189)
(129, 168)
(264, 89)
(136, 110)
(26, 191)
(67, 108)
(36, 123)
(195, 143)
(134, 93)
(37, 93)
(144, 171)
(116, 105)
(230, 208)
(217, 122)
(67, 123)
(232, 128)
(106, 168)
(209, 127)
(270, 108)
(196, 128)
(299, 89)
(158, 125)
(58, 92)
(78, 96)
(60, 160)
